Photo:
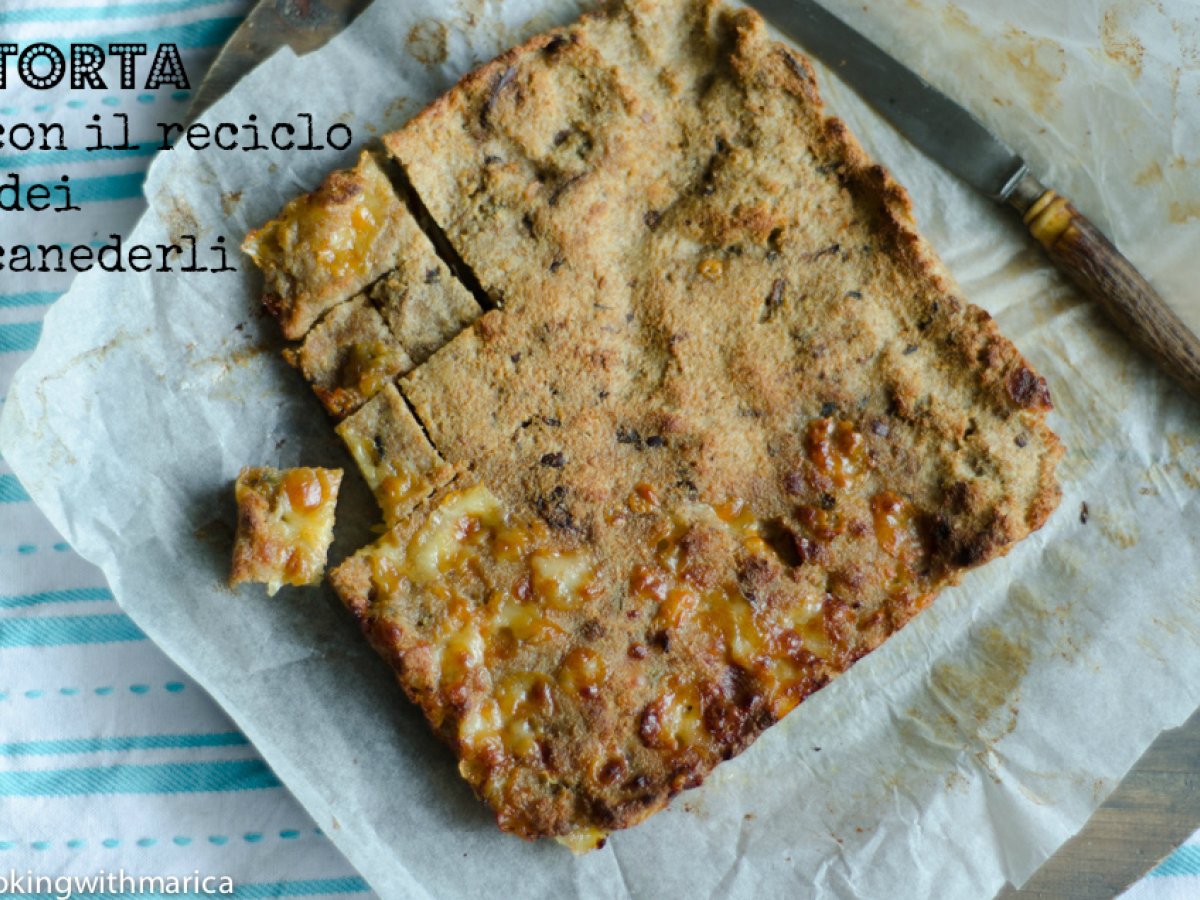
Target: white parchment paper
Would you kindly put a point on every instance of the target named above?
(959, 755)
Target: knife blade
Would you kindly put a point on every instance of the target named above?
(931, 121)
(269, 25)
(950, 135)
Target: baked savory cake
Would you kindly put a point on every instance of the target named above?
(284, 526)
(725, 425)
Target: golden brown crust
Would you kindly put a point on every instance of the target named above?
(731, 428)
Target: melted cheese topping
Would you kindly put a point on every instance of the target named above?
(512, 623)
(675, 720)
(344, 249)
(837, 451)
(441, 542)
(306, 523)
(561, 580)
(335, 227)
(896, 526)
(642, 499)
(479, 738)
(467, 529)
(508, 596)
(526, 701)
(583, 672)
(772, 644)
(300, 529)
(368, 366)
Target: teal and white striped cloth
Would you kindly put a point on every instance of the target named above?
(1176, 878)
(110, 758)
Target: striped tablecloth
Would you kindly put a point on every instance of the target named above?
(110, 758)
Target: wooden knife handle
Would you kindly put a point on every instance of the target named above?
(1082, 251)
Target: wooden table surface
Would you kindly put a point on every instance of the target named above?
(1152, 811)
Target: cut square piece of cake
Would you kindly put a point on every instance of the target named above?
(285, 525)
(328, 245)
(395, 457)
(349, 356)
(423, 303)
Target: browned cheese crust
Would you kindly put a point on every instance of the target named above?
(329, 245)
(285, 525)
(731, 426)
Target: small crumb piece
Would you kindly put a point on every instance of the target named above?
(583, 840)
(285, 525)
(1084, 513)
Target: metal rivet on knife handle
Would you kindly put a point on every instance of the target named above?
(1089, 259)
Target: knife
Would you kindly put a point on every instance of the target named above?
(949, 134)
(303, 25)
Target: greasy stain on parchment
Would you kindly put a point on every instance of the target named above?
(427, 42)
(179, 218)
(1037, 64)
(1180, 471)
(1179, 444)
(1151, 174)
(1180, 211)
(1180, 618)
(473, 18)
(972, 702)
(1055, 620)
(1120, 532)
(393, 113)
